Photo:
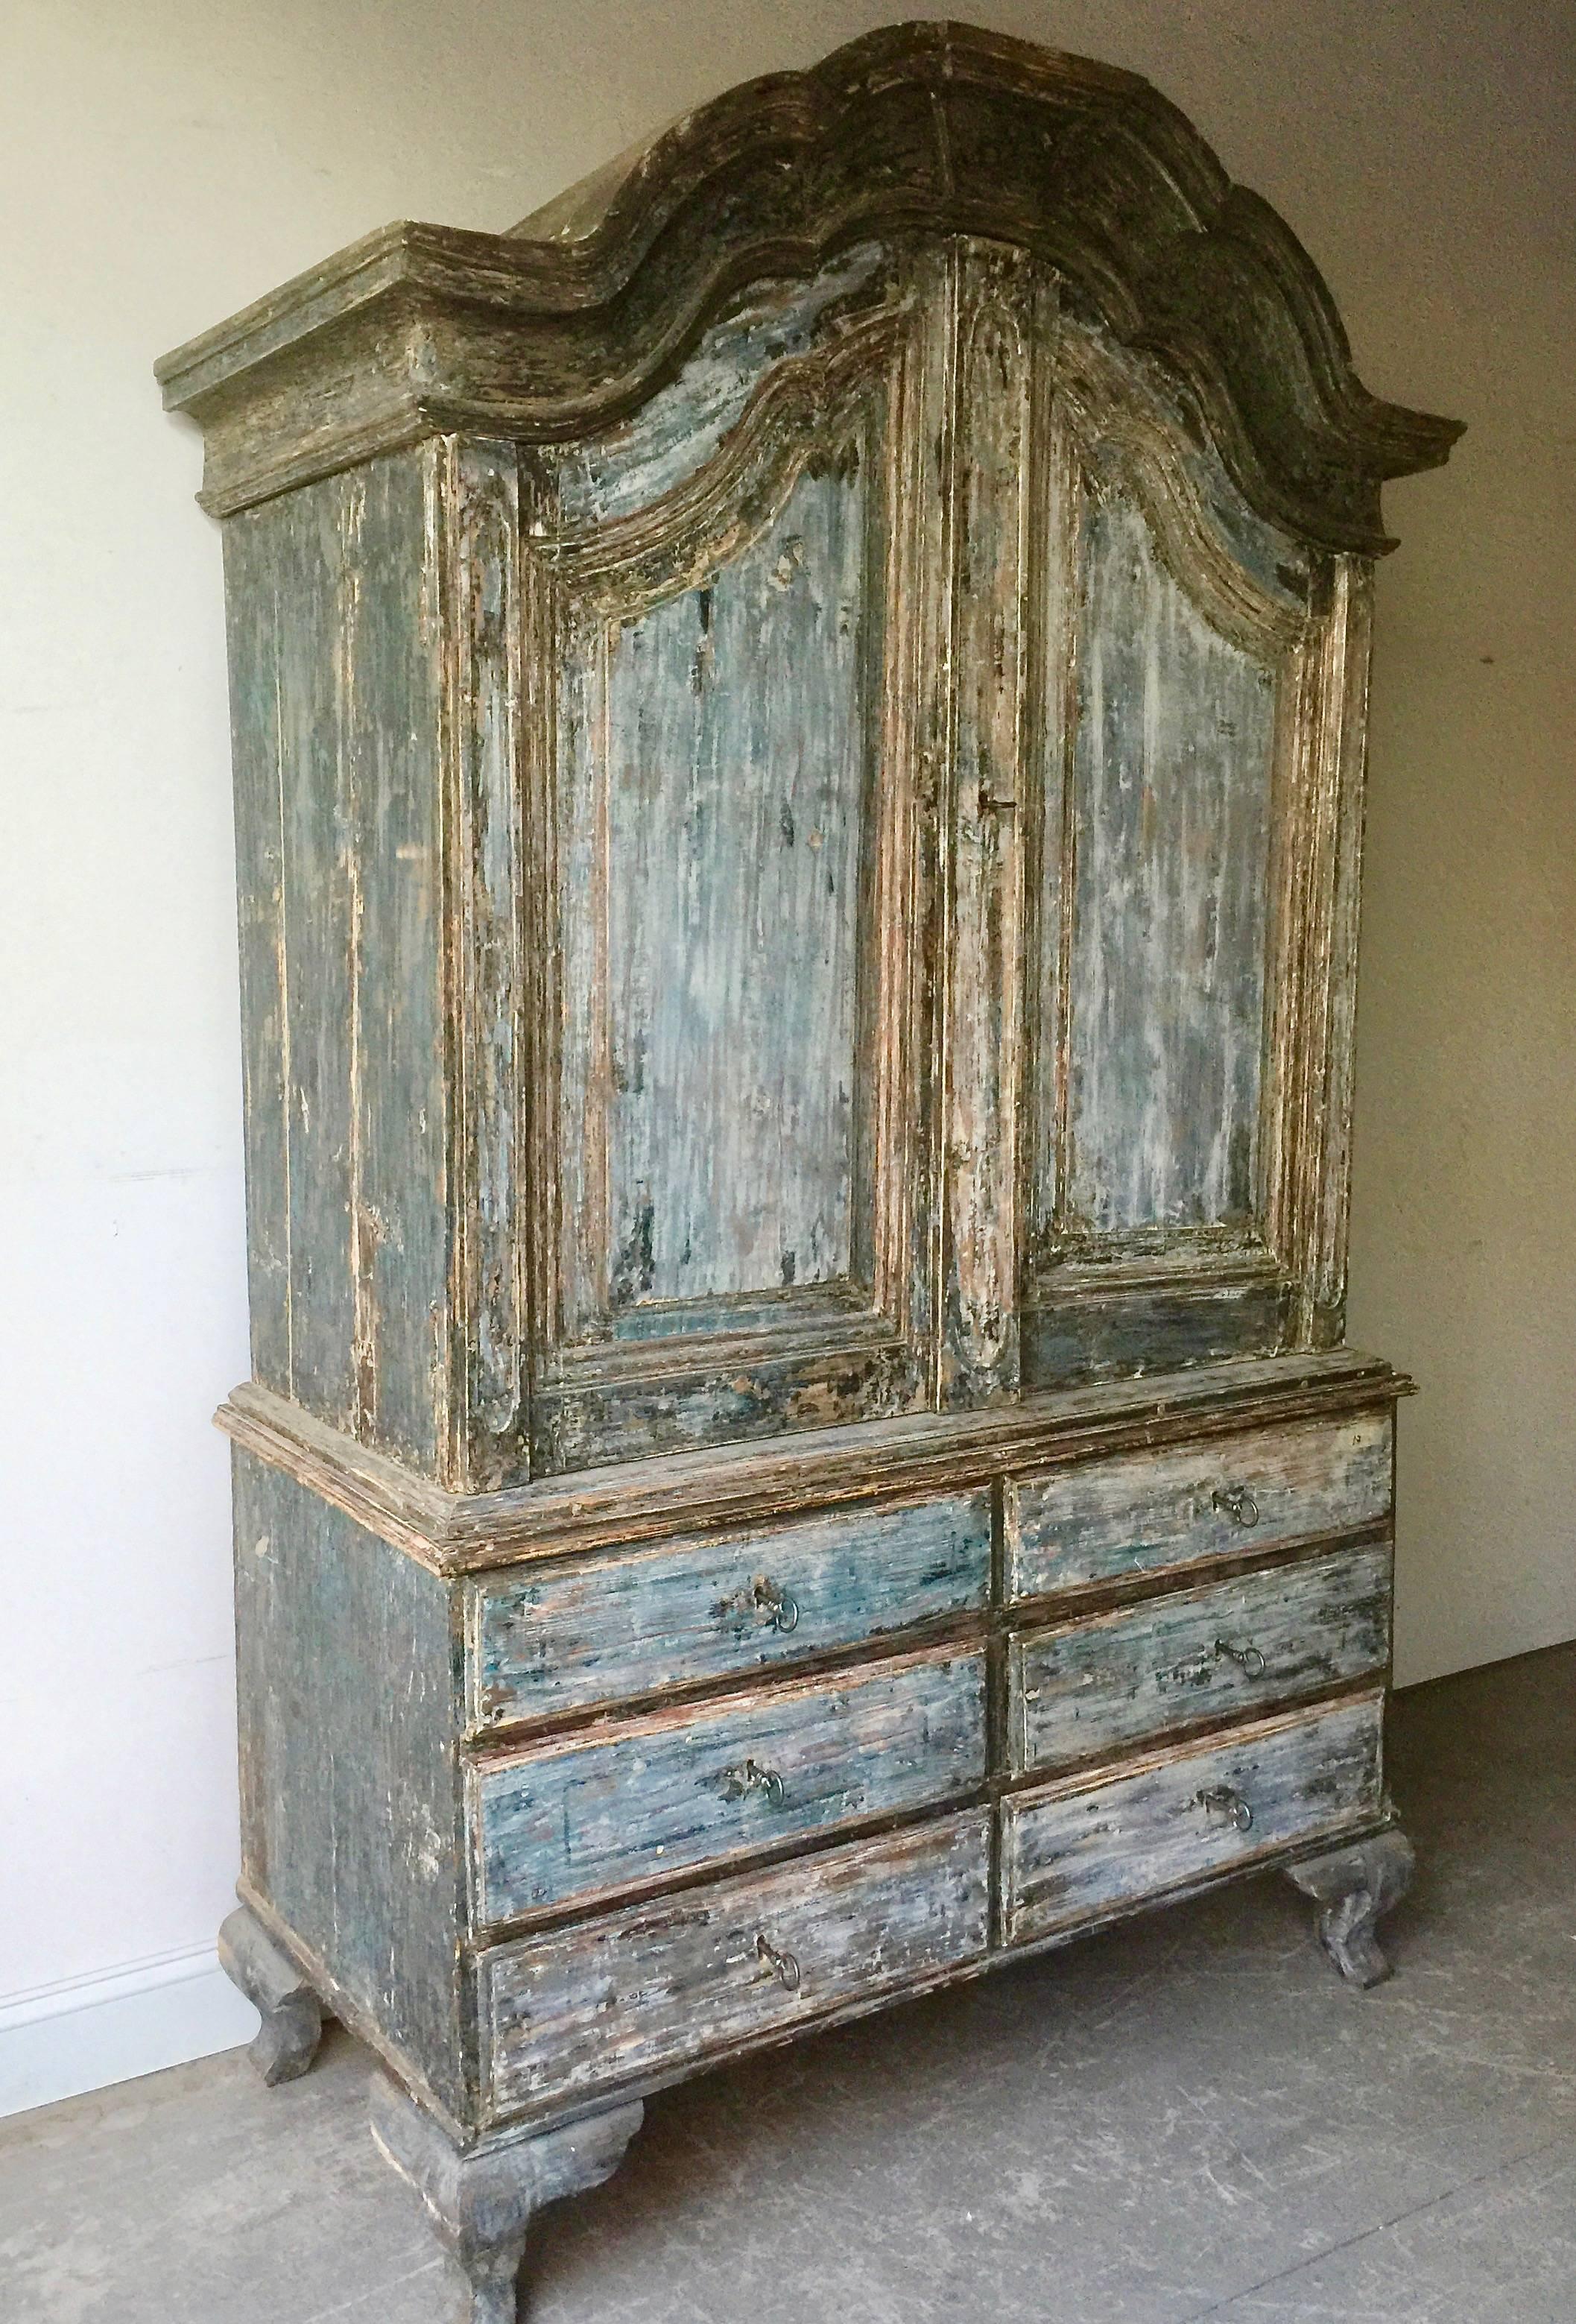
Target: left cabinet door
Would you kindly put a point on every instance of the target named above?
(729, 1039)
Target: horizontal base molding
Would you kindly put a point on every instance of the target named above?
(917, 1453)
(64, 2040)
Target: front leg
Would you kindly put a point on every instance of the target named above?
(292, 2016)
(1353, 1888)
(481, 2199)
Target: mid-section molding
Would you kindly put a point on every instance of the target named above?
(937, 128)
(453, 1534)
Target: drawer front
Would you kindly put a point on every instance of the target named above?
(641, 1798)
(590, 1630)
(657, 1986)
(1110, 1521)
(1230, 1647)
(1083, 1851)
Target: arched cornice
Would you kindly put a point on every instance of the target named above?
(927, 128)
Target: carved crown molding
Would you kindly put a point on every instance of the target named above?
(568, 322)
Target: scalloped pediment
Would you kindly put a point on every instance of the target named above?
(927, 128)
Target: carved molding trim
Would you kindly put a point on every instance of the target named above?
(1111, 425)
(804, 406)
(935, 128)
(453, 1534)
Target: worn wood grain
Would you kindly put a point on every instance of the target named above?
(645, 1798)
(831, 1467)
(672, 435)
(1081, 1851)
(1084, 1689)
(798, 733)
(1003, 310)
(721, 771)
(1171, 775)
(256, 757)
(1157, 1512)
(708, 1608)
(637, 1992)
(349, 1787)
(335, 688)
(575, 320)
(718, 1154)
(474, 511)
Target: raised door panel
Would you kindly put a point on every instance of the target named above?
(716, 749)
(1173, 763)
(1166, 973)
(730, 910)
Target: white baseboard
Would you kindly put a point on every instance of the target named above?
(86, 2032)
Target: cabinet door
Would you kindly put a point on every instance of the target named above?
(731, 1037)
(1177, 976)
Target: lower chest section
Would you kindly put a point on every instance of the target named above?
(721, 1786)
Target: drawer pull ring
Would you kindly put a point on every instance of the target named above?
(740, 1782)
(1221, 1799)
(784, 1966)
(1247, 1657)
(780, 1606)
(1237, 1503)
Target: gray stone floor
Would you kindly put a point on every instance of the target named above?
(1188, 2118)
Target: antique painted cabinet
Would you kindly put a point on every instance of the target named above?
(798, 747)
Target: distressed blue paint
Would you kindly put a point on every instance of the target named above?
(722, 790)
(661, 1985)
(645, 1798)
(1081, 1851)
(1231, 1649)
(1099, 1521)
(1171, 777)
(579, 1631)
(679, 429)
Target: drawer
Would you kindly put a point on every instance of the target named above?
(1110, 1521)
(637, 1799)
(590, 1629)
(1081, 1851)
(643, 1991)
(1226, 1649)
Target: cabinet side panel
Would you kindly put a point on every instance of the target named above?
(251, 587)
(335, 691)
(347, 1774)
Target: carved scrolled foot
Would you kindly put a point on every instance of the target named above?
(292, 2016)
(480, 2200)
(1354, 1887)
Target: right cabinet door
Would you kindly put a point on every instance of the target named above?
(1190, 899)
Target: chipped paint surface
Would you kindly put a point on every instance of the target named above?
(710, 1607)
(714, 791)
(1234, 1495)
(1079, 1852)
(798, 753)
(745, 1959)
(1172, 771)
(647, 1798)
(1084, 1689)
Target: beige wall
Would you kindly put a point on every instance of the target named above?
(161, 161)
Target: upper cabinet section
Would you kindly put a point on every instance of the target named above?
(799, 730)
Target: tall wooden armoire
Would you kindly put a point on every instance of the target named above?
(798, 751)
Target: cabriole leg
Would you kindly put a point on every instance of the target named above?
(480, 2200)
(291, 2013)
(1353, 1888)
